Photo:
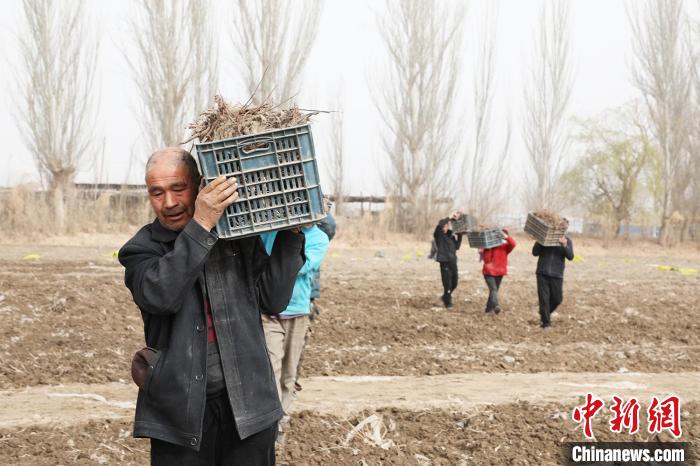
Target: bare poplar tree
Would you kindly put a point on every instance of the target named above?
(662, 73)
(205, 56)
(546, 102)
(337, 162)
(483, 168)
(692, 200)
(422, 39)
(56, 81)
(273, 39)
(175, 68)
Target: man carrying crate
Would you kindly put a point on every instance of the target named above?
(446, 245)
(550, 276)
(206, 388)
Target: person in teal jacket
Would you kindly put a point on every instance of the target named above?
(328, 226)
(284, 333)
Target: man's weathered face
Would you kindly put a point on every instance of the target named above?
(172, 193)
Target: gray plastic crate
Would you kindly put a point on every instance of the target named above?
(463, 224)
(278, 180)
(485, 239)
(544, 234)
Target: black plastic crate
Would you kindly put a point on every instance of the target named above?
(278, 180)
(485, 239)
(463, 224)
(544, 234)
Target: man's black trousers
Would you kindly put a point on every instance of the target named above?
(448, 272)
(221, 444)
(550, 294)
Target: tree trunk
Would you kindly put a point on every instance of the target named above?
(339, 205)
(59, 207)
(664, 232)
(618, 229)
(666, 213)
(61, 183)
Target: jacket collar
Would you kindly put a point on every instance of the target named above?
(162, 234)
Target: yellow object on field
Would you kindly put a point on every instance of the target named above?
(31, 257)
(664, 267)
(419, 254)
(407, 257)
(578, 258)
(683, 270)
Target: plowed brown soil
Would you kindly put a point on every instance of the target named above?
(67, 318)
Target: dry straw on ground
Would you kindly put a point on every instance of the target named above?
(551, 219)
(225, 120)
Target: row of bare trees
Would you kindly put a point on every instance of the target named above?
(664, 73)
(175, 65)
(639, 157)
(644, 158)
(427, 156)
(174, 62)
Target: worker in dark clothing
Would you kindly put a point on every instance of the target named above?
(550, 276)
(447, 244)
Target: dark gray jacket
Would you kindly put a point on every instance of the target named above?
(551, 259)
(165, 271)
(446, 244)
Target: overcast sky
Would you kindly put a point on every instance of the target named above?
(347, 59)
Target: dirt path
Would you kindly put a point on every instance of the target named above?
(80, 403)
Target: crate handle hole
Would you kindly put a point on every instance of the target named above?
(251, 146)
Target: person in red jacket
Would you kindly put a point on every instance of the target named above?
(495, 267)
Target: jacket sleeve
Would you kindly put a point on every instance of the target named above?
(276, 273)
(433, 250)
(569, 249)
(510, 244)
(485, 255)
(328, 226)
(316, 245)
(158, 282)
(536, 249)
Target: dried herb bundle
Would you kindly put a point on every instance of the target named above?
(225, 120)
(551, 219)
(480, 228)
